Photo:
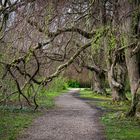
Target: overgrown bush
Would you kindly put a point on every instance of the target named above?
(58, 84)
(73, 84)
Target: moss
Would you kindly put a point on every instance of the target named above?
(111, 40)
(96, 45)
(135, 22)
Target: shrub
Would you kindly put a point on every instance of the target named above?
(73, 84)
(58, 84)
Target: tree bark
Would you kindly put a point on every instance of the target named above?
(98, 80)
(134, 76)
(130, 28)
(118, 88)
(116, 76)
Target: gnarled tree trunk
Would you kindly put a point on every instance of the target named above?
(116, 75)
(117, 86)
(98, 80)
(131, 30)
(134, 76)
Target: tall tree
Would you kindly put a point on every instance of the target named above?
(131, 32)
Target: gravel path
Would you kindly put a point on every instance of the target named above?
(73, 119)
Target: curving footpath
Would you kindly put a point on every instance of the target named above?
(73, 119)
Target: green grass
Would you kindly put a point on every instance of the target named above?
(120, 128)
(88, 94)
(47, 99)
(117, 126)
(13, 122)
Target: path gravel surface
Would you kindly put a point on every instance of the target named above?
(72, 119)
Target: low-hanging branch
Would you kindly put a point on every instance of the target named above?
(85, 34)
(14, 64)
(32, 53)
(18, 87)
(73, 29)
(65, 65)
(13, 7)
(94, 68)
(71, 60)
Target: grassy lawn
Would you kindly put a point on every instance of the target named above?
(47, 100)
(88, 94)
(117, 126)
(13, 120)
(121, 128)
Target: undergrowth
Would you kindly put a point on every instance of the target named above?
(13, 120)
